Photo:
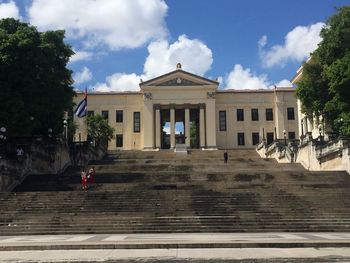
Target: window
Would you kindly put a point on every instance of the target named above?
(90, 113)
(240, 138)
(119, 116)
(290, 113)
(291, 135)
(119, 140)
(105, 114)
(222, 120)
(255, 138)
(269, 115)
(269, 137)
(240, 115)
(137, 122)
(255, 114)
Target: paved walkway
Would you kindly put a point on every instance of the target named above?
(257, 247)
(175, 240)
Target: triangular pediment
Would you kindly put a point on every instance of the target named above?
(178, 78)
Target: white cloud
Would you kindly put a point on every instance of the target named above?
(284, 83)
(9, 9)
(298, 45)
(262, 41)
(115, 23)
(193, 54)
(240, 78)
(83, 76)
(120, 82)
(81, 55)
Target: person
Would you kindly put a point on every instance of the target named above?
(83, 180)
(91, 175)
(20, 153)
(225, 157)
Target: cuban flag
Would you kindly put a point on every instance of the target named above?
(81, 109)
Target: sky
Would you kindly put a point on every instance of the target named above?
(250, 44)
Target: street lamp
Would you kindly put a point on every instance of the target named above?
(3, 139)
(302, 127)
(285, 137)
(65, 126)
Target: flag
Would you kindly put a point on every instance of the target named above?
(81, 109)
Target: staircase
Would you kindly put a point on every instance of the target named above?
(164, 192)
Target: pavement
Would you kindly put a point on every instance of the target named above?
(178, 247)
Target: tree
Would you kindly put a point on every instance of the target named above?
(325, 84)
(36, 86)
(99, 129)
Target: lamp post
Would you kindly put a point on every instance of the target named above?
(340, 126)
(302, 127)
(65, 132)
(49, 135)
(3, 139)
(285, 137)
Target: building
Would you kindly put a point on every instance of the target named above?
(180, 109)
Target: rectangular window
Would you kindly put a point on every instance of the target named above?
(255, 138)
(119, 116)
(104, 114)
(240, 115)
(269, 115)
(137, 122)
(291, 135)
(240, 138)
(255, 114)
(90, 113)
(222, 120)
(269, 137)
(290, 113)
(119, 140)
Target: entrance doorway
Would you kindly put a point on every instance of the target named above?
(180, 129)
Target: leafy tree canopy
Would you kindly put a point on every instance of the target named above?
(35, 85)
(325, 84)
(99, 129)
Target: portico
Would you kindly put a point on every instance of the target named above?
(179, 99)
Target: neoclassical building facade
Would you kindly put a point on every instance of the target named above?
(183, 110)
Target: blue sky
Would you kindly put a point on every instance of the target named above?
(245, 44)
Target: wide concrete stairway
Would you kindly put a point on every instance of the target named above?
(164, 192)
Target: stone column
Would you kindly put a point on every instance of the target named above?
(157, 125)
(187, 126)
(210, 124)
(201, 125)
(147, 121)
(172, 126)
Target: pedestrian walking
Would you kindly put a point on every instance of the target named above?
(225, 157)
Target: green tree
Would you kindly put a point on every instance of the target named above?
(325, 84)
(99, 129)
(36, 87)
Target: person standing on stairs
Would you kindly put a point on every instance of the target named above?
(91, 175)
(225, 157)
(84, 180)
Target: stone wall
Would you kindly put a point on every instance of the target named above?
(333, 155)
(44, 158)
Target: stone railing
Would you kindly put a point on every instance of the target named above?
(331, 148)
(280, 149)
